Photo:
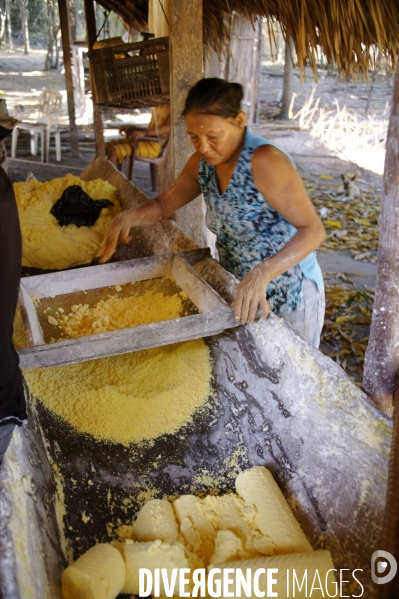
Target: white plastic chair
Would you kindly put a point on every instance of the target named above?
(43, 127)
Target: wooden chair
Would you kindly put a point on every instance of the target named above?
(153, 162)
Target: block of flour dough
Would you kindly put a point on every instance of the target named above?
(156, 520)
(151, 556)
(196, 528)
(232, 513)
(279, 531)
(311, 570)
(99, 573)
(228, 547)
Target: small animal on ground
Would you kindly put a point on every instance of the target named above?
(351, 190)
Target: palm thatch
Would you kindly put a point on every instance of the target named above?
(133, 12)
(351, 34)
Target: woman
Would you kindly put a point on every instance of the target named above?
(159, 127)
(257, 206)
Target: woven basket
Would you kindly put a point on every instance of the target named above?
(132, 75)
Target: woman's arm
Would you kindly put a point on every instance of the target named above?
(140, 134)
(279, 182)
(183, 190)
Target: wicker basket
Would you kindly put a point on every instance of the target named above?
(132, 75)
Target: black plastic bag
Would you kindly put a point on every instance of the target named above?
(75, 207)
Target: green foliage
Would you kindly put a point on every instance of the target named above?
(43, 21)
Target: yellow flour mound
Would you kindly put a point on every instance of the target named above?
(47, 245)
(130, 398)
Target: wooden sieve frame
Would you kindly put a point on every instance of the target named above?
(216, 314)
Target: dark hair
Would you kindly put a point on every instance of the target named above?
(214, 96)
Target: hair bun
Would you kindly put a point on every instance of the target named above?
(238, 90)
(214, 96)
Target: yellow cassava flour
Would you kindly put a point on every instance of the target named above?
(47, 245)
(129, 398)
(119, 313)
(133, 397)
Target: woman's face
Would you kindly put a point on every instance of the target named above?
(215, 138)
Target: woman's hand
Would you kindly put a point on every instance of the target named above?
(251, 292)
(183, 190)
(145, 215)
(118, 230)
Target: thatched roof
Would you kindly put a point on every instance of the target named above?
(349, 32)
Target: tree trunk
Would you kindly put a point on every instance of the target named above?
(390, 528)
(72, 20)
(24, 25)
(382, 356)
(287, 83)
(97, 110)
(2, 24)
(9, 32)
(58, 44)
(63, 8)
(56, 27)
(53, 28)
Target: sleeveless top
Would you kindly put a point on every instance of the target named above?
(249, 230)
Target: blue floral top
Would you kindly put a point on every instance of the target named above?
(248, 229)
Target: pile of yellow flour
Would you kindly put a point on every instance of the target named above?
(47, 245)
(116, 313)
(129, 398)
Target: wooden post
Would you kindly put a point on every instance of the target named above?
(382, 356)
(66, 50)
(186, 55)
(97, 110)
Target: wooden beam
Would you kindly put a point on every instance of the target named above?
(66, 50)
(186, 56)
(97, 110)
(382, 356)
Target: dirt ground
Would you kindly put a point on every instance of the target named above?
(22, 79)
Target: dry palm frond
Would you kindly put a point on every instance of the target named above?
(134, 13)
(349, 33)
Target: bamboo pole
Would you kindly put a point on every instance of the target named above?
(382, 356)
(66, 50)
(97, 110)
